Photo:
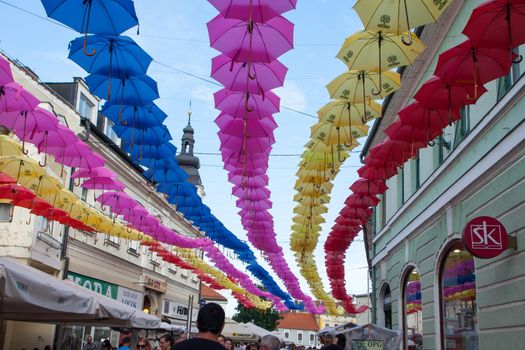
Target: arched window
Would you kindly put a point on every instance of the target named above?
(387, 307)
(459, 321)
(412, 311)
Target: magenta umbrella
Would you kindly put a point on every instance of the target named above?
(234, 75)
(94, 172)
(250, 127)
(250, 182)
(252, 215)
(240, 104)
(135, 211)
(261, 205)
(249, 145)
(60, 137)
(251, 193)
(262, 42)
(246, 172)
(238, 157)
(5, 72)
(103, 183)
(261, 10)
(116, 201)
(143, 223)
(14, 98)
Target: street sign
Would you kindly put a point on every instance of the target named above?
(485, 237)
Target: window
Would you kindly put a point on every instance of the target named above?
(109, 132)
(133, 247)
(312, 338)
(287, 335)
(299, 337)
(383, 210)
(5, 212)
(84, 194)
(462, 126)
(459, 327)
(418, 171)
(112, 240)
(412, 312)
(401, 187)
(387, 308)
(85, 107)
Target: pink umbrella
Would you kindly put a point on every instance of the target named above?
(235, 76)
(92, 160)
(250, 127)
(262, 42)
(5, 72)
(257, 180)
(237, 104)
(94, 172)
(261, 205)
(135, 211)
(261, 10)
(143, 223)
(103, 183)
(252, 215)
(251, 193)
(60, 137)
(232, 144)
(117, 201)
(244, 161)
(14, 98)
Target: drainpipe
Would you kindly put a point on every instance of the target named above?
(65, 236)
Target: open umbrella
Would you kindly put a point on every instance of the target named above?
(332, 135)
(41, 185)
(9, 147)
(251, 42)
(360, 49)
(14, 98)
(60, 137)
(156, 135)
(117, 201)
(103, 183)
(17, 166)
(140, 117)
(246, 105)
(256, 10)
(111, 17)
(414, 136)
(344, 113)
(369, 186)
(497, 24)
(137, 90)
(93, 172)
(6, 76)
(249, 127)
(399, 16)
(234, 75)
(356, 85)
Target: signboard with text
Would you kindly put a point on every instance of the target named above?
(177, 310)
(485, 237)
(124, 295)
(367, 344)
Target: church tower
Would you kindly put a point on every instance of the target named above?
(186, 158)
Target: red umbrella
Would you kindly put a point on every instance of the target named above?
(497, 24)
(437, 93)
(369, 186)
(467, 64)
(357, 200)
(356, 212)
(348, 221)
(33, 204)
(394, 150)
(376, 172)
(15, 192)
(6, 179)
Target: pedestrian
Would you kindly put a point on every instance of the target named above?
(125, 344)
(106, 345)
(89, 344)
(228, 344)
(143, 344)
(221, 339)
(165, 342)
(210, 322)
(340, 341)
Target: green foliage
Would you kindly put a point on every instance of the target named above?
(267, 319)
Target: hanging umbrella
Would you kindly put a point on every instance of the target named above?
(249, 127)
(117, 201)
(369, 186)
(393, 150)
(9, 147)
(60, 137)
(17, 166)
(246, 105)
(111, 17)
(359, 200)
(466, 64)
(497, 24)
(15, 192)
(257, 10)
(251, 193)
(169, 176)
(251, 42)
(103, 183)
(166, 150)
(356, 85)
(41, 185)
(261, 205)
(257, 180)
(148, 136)
(413, 136)
(232, 144)
(344, 113)
(14, 98)
(356, 212)
(314, 211)
(332, 135)
(27, 123)
(399, 16)
(310, 220)
(6, 179)
(359, 48)
(93, 172)
(376, 172)
(310, 188)
(140, 117)
(137, 90)
(6, 76)
(234, 75)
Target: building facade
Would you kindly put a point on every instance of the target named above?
(425, 283)
(119, 268)
(299, 328)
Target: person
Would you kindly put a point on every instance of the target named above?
(221, 339)
(180, 337)
(340, 341)
(328, 339)
(210, 322)
(143, 344)
(165, 342)
(106, 345)
(228, 344)
(89, 344)
(47, 347)
(125, 344)
(270, 342)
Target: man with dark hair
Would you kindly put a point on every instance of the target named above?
(210, 322)
(165, 342)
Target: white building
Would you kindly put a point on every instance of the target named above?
(299, 328)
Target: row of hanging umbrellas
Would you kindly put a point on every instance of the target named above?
(251, 36)
(118, 67)
(487, 53)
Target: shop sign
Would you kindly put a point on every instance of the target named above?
(155, 284)
(177, 310)
(368, 344)
(124, 295)
(485, 237)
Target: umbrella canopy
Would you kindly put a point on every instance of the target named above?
(15, 193)
(103, 183)
(60, 137)
(42, 185)
(117, 201)
(17, 166)
(27, 123)
(249, 127)
(369, 186)
(262, 42)
(9, 147)
(14, 98)
(93, 172)
(344, 113)
(240, 104)
(6, 76)
(137, 90)
(333, 135)
(357, 85)
(140, 117)
(258, 10)
(157, 135)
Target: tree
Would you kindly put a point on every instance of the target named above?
(267, 319)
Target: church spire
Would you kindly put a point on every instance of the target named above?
(186, 158)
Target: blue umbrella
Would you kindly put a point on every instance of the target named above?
(135, 116)
(148, 136)
(170, 176)
(165, 150)
(112, 17)
(136, 90)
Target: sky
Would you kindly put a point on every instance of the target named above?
(174, 33)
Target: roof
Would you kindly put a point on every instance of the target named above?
(210, 295)
(298, 320)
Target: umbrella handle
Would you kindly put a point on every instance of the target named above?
(12, 212)
(518, 59)
(45, 161)
(246, 104)
(92, 53)
(76, 182)
(86, 32)
(380, 72)
(410, 41)
(28, 221)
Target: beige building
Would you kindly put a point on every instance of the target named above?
(115, 267)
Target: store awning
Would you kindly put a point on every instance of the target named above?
(28, 294)
(237, 331)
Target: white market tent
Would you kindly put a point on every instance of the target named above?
(238, 331)
(27, 294)
(256, 330)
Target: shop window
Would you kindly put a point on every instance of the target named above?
(387, 308)
(5, 212)
(412, 312)
(459, 327)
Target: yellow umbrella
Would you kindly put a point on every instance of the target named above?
(304, 200)
(342, 113)
(307, 210)
(306, 228)
(41, 185)
(333, 135)
(9, 147)
(378, 51)
(17, 166)
(356, 85)
(396, 17)
(310, 220)
(306, 188)
(298, 197)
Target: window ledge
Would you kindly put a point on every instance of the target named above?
(132, 251)
(109, 242)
